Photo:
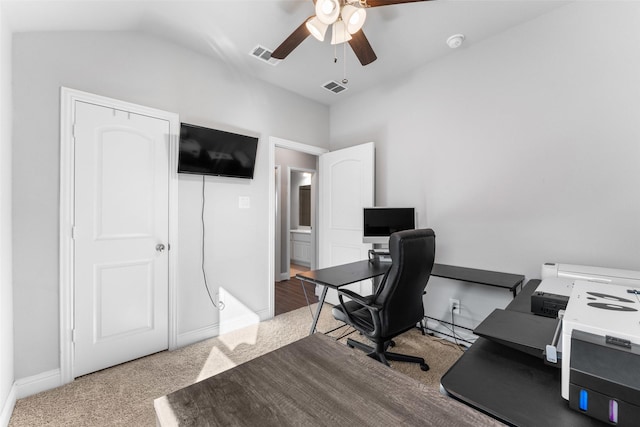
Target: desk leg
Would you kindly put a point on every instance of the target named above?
(515, 288)
(317, 315)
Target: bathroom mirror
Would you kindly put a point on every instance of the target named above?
(304, 192)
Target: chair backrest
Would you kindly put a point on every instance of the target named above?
(400, 295)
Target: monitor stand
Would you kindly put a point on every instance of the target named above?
(379, 255)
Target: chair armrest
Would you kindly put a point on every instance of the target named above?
(365, 302)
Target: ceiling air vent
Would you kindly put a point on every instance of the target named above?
(333, 86)
(264, 54)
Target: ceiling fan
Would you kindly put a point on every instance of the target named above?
(346, 18)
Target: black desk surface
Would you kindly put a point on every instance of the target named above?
(483, 277)
(522, 331)
(345, 274)
(514, 387)
(523, 302)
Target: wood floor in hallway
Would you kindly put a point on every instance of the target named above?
(289, 294)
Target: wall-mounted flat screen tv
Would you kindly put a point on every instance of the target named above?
(204, 151)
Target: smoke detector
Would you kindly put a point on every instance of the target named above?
(455, 41)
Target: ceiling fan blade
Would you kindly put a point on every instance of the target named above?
(376, 3)
(362, 48)
(292, 42)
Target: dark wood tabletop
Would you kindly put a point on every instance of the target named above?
(315, 381)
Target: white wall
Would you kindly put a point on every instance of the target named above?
(7, 396)
(157, 74)
(517, 150)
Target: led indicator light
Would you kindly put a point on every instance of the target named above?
(613, 411)
(584, 400)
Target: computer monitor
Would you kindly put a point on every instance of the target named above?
(380, 223)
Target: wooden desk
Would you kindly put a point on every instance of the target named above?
(315, 381)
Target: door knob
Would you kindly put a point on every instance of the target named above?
(160, 247)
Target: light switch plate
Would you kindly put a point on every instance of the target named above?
(244, 202)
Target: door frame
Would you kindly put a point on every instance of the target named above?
(291, 145)
(277, 274)
(68, 98)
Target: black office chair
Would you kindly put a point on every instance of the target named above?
(396, 306)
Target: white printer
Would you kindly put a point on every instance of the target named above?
(601, 351)
(553, 292)
(591, 274)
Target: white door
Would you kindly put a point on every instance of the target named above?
(346, 187)
(121, 234)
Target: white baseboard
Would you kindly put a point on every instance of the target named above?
(7, 407)
(28, 386)
(284, 276)
(196, 335)
(37, 383)
(245, 320)
(214, 330)
(444, 332)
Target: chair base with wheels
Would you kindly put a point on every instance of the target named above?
(382, 355)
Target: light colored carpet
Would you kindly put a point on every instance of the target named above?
(123, 395)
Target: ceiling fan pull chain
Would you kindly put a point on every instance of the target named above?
(344, 61)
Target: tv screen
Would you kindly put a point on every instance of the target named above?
(380, 223)
(205, 151)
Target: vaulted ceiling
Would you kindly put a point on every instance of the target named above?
(404, 36)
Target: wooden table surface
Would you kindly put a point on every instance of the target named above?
(315, 381)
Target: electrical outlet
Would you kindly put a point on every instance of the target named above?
(454, 306)
(220, 298)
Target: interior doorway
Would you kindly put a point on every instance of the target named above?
(294, 224)
(339, 223)
(301, 214)
(296, 203)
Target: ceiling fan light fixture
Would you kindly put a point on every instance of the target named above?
(317, 28)
(339, 33)
(354, 17)
(327, 11)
